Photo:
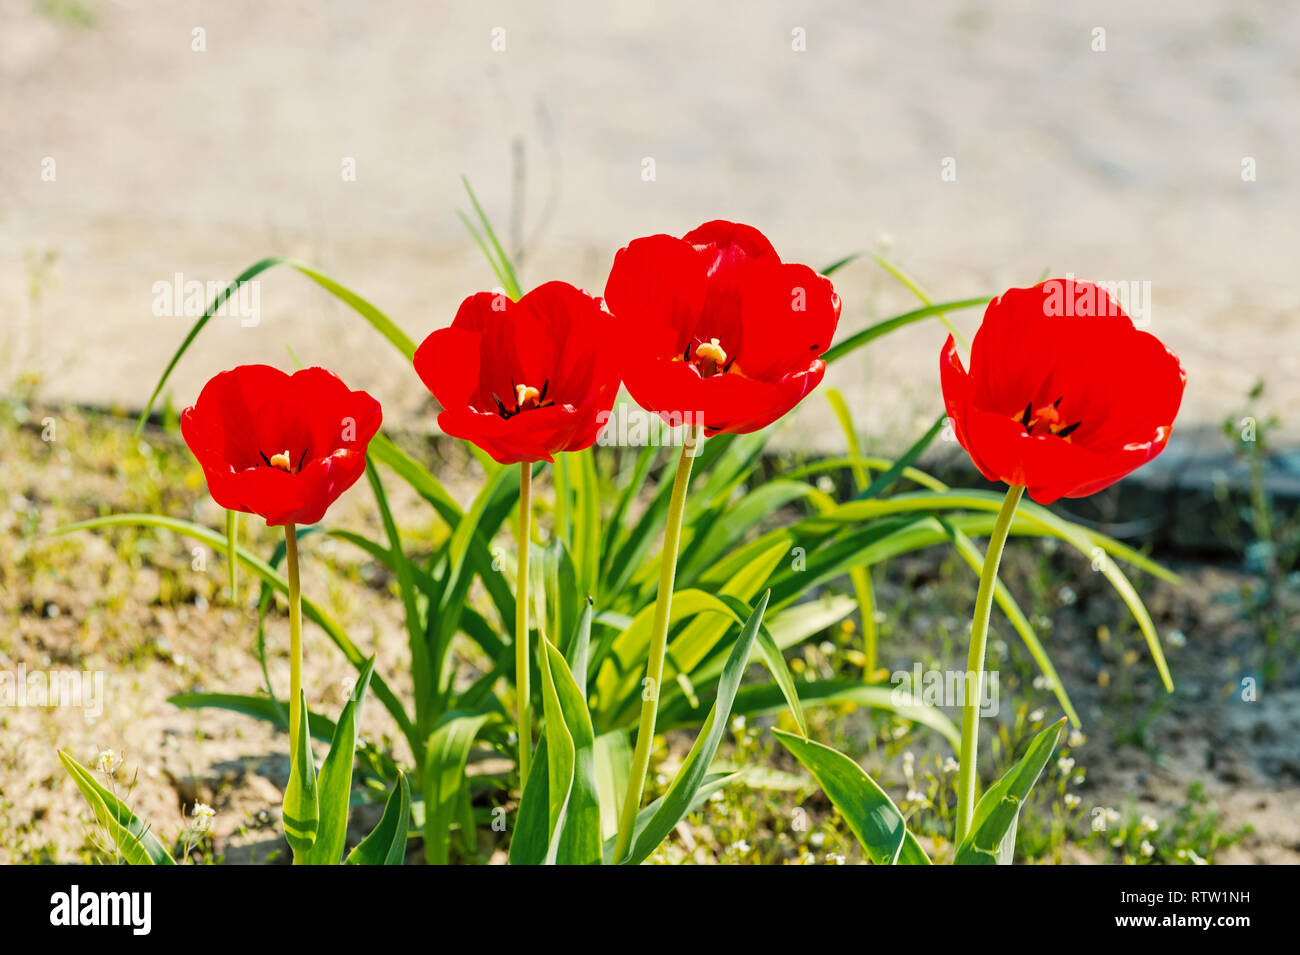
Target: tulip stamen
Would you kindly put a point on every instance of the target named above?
(1069, 430)
(526, 399)
(302, 460)
(1049, 415)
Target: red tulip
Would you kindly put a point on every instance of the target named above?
(524, 380)
(1064, 395)
(716, 329)
(281, 446)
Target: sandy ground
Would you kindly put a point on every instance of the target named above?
(136, 610)
(1123, 165)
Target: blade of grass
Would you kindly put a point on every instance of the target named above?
(872, 332)
(381, 322)
(915, 289)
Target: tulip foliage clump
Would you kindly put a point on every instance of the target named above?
(658, 575)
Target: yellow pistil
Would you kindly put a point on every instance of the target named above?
(710, 356)
(281, 461)
(526, 397)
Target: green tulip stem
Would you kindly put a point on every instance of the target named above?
(523, 694)
(966, 775)
(659, 644)
(232, 543)
(295, 635)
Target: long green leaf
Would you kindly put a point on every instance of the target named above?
(774, 660)
(531, 840)
(386, 844)
(677, 800)
(613, 767)
(301, 801)
(870, 813)
(258, 707)
(872, 332)
(422, 675)
(713, 782)
(381, 322)
(617, 678)
(907, 282)
(992, 836)
(579, 840)
(500, 262)
(131, 836)
(974, 558)
(334, 786)
(267, 574)
(1089, 545)
(444, 778)
(762, 699)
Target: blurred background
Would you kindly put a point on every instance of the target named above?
(1143, 143)
(147, 145)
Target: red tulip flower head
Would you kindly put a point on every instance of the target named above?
(524, 380)
(1064, 395)
(716, 329)
(277, 445)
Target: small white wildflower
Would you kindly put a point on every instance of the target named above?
(1067, 595)
(908, 757)
(1076, 739)
(1065, 764)
(716, 797)
(914, 795)
(832, 859)
(899, 732)
(951, 765)
(738, 723)
(1177, 638)
(1072, 801)
(1099, 821)
(1149, 824)
(1182, 853)
(1037, 715)
(816, 839)
(825, 484)
(203, 815)
(1042, 683)
(1148, 849)
(1116, 842)
(109, 762)
(741, 846)
(1112, 815)
(1077, 778)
